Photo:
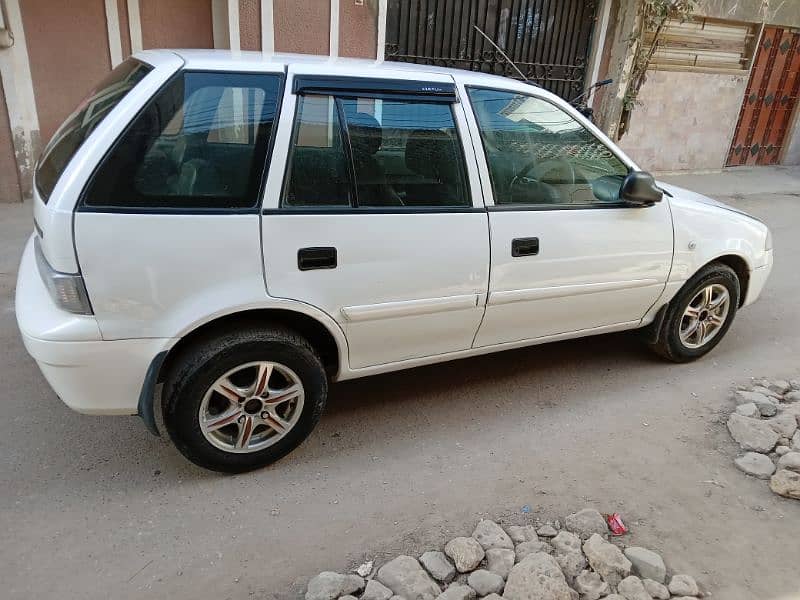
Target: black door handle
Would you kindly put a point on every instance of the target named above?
(316, 258)
(525, 246)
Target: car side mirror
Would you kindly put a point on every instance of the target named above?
(640, 189)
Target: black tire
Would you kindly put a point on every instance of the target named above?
(669, 344)
(197, 368)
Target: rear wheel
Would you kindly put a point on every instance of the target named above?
(242, 400)
(700, 314)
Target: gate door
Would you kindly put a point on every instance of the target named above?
(770, 98)
(548, 40)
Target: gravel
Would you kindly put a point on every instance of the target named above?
(567, 568)
(774, 443)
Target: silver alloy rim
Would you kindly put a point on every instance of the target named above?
(251, 407)
(705, 315)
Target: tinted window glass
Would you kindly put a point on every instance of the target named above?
(201, 143)
(403, 153)
(318, 173)
(539, 154)
(72, 133)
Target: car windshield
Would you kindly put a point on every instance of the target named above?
(77, 127)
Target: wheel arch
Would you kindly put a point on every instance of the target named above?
(740, 266)
(327, 338)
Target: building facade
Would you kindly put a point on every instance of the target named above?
(694, 110)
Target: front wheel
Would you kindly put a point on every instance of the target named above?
(244, 399)
(700, 314)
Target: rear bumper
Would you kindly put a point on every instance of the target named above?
(89, 374)
(758, 279)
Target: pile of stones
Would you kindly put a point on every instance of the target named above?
(577, 562)
(765, 425)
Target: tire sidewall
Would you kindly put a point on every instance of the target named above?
(189, 388)
(719, 275)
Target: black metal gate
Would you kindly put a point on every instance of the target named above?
(548, 40)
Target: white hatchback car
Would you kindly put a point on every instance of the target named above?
(244, 228)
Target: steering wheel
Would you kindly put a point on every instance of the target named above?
(540, 170)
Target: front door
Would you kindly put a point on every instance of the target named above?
(378, 218)
(567, 255)
(769, 100)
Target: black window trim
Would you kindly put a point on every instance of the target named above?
(354, 207)
(494, 207)
(376, 87)
(81, 205)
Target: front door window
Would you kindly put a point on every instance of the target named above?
(540, 155)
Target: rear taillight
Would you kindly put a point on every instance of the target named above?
(66, 289)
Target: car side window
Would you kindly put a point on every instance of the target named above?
(375, 152)
(201, 143)
(538, 154)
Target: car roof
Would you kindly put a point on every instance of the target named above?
(250, 60)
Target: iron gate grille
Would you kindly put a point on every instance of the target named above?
(549, 40)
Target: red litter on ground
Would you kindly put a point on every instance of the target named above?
(616, 525)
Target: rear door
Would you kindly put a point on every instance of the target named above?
(567, 255)
(377, 217)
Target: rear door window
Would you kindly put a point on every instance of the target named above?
(375, 152)
(200, 144)
(74, 131)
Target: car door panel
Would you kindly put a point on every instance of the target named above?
(409, 281)
(596, 262)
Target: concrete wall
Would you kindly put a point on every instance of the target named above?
(772, 12)
(9, 179)
(61, 79)
(302, 26)
(685, 120)
(176, 24)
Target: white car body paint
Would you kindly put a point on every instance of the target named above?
(409, 289)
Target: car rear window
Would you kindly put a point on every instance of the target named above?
(77, 127)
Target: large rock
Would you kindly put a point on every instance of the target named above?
(743, 396)
(748, 409)
(791, 461)
(760, 389)
(572, 564)
(490, 535)
(466, 553)
(657, 590)
(537, 577)
(683, 585)
(500, 561)
(785, 424)
(591, 586)
(458, 591)
(796, 440)
(485, 582)
(792, 397)
(522, 533)
(632, 588)
(566, 542)
(375, 590)
(526, 548)
(406, 578)
(755, 464)
(607, 560)
(437, 564)
(786, 483)
(586, 522)
(646, 563)
(780, 386)
(547, 531)
(329, 585)
(752, 434)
